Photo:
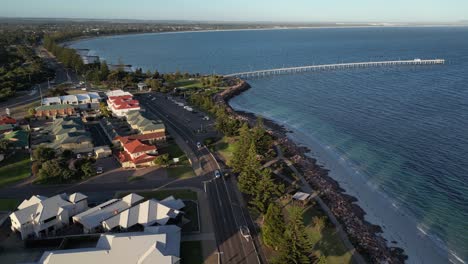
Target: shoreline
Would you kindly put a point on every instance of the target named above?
(366, 237)
(372, 215)
(77, 39)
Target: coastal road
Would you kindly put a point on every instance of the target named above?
(227, 213)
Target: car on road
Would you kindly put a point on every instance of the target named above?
(245, 232)
(99, 170)
(217, 174)
(199, 145)
(78, 156)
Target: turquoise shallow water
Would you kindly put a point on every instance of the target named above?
(404, 128)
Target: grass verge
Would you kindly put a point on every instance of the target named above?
(8, 204)
(180, 172)
(14, 169)
(191, 252)
(191, 213)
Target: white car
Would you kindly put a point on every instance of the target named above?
(199, 145)
(99, 170)
(217, 174)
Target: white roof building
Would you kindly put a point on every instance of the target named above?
(51, 101)
(159, 245)
(40, 215)
(92, 218)
(145, 214)
(117, 93)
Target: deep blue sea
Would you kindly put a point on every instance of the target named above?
(403, 130)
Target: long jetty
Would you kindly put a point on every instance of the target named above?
(278, 71)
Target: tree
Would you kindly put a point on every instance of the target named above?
(240, 148)
(32, 111)
(103, 71)
(273, 227)
(4, 144)
(43, 154)
(67, 154)
(87, 169)
(50, 170)
(297, 247)
(262, 139)
(104, 110)
(319, 223)
(265, 191)
(249, 175)
(162, 160)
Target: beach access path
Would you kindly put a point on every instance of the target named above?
(305, 187)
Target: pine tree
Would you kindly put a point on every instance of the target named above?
(240, 148)
(265, 191)
(273, 227)
(297, 247)
(250, 174)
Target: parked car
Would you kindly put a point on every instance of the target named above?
(78, 156)
(199, 145)
(99, 170)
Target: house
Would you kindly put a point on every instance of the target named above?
(6, 120)
(143, 214)
(120, 102)
(159, 244)
(54, 110)
(92, 218)
(6, 128)
(136, 154)
(69, 133)
(137, 121)
(38, 216)
(19, 139)
(83, 101)
(102, 152)
(87, 59)
(149, 138)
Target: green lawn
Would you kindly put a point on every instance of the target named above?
(180, 172)
(8, 204)
(191, 252)
(191, 213)
(186, 84)
(183, 194)
(225, 147)
(327, 242)
(14, 169)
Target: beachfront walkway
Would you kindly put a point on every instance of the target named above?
(305, 187)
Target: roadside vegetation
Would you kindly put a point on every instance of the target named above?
(51, 167)
(191, 252)
(15, 168)
(20, 67)
(8, 204)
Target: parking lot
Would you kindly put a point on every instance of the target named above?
(98, 134)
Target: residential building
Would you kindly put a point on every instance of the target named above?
(6, 128)
(55, 110)
(92, 218)
(141, 86)
(39, 216)
(136, 154)
(147, 213)
(159, 245)
(69, 133)
(120, 102)
(149, 138)
(83, 101)
(6, 120)
(19, 139)
(144, 125)
(102, 152)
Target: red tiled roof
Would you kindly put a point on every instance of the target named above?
(136, 146)
(7, 120)
(148, 136)
(124, 102)
(125, 157)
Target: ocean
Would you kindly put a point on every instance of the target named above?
(394, 137)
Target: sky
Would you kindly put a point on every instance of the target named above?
(244, 10)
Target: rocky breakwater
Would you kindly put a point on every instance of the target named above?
(365, 236)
